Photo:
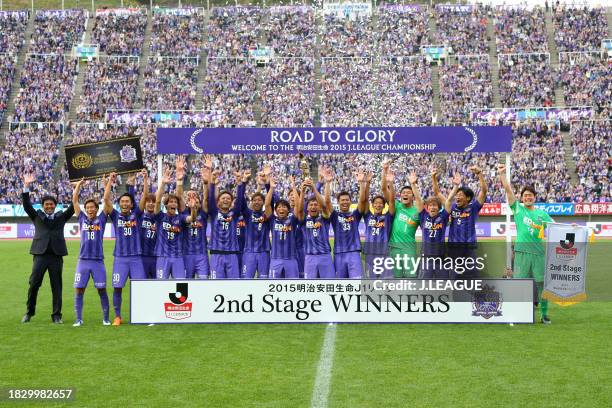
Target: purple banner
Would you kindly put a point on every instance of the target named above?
(439, 139)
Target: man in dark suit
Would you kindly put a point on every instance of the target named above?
(48, 249)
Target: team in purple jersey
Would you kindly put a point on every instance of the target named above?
(223, 216)
(91, 254)
(146, 225)
(256, 257)
(195, 247)
(463, 213)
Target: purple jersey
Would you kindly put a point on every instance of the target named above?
(170, 229)
(241, 233)
(194, 236)
(346, 231)
(92, 233)
(127, 233)
(284, 234)
(377, 232)
(257, 231)
(463, 223)
(224, 226)
(433, 229)
(148, 234)
(316, 235)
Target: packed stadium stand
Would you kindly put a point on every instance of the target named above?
(299, 66)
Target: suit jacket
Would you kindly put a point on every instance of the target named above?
(47, 231)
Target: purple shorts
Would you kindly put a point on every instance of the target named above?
(196, 265)
(170, 266)
(255, 262)
(224, 266)
(149, 264)
(299, 252)
(284, 268)
(348, 265)
(127, 266)
(318, 266)
(86, 267)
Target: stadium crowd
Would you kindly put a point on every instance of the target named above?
(120, 32)
(579, 28)
(592, 151)
(520, 30)
(526, 80)
(57, 31)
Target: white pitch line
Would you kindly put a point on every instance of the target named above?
(320, 392)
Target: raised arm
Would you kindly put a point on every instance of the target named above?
(501, 170)
(436, 186)
(390, 177)
(240, 203)
(448, 203)
(418, 200)
(363, 180)
(299, 204)
(326, 205)
(28, 179)
(205, 173)
(160, 190)
(180, 176)
(193, 214)
(482, 195)
(75, 196)
(108, 204)
(145, 189)
(268, 207)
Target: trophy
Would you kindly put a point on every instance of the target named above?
(304, 166)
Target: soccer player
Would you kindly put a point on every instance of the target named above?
(224, 247)
(256, 258)
(284, 224)
(347, 242)
(378, 226)
(195, 246)
(529, 250)
(433, 221)
(148, 229)
(91, 254)
(127, 253)
(402, 243)
(315, 224)
(462, 222)
(170, 228)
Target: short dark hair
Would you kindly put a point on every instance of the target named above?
(48, 198)
(171, 197)
(435, 200)
(469, 193)
(405, 187)
(343, 193)
(531, 189)
(126, 195)
(282, 202)
(311, 199)
(258, 194)
(376, 197)
(225, 192)
(91, 200)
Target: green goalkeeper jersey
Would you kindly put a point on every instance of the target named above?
(530, 225)
(405, 224)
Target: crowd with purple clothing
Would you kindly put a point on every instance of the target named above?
(177, 34)
(520, 30)
(579, 28)
(592, 151)
(465, 86)
(57, 31)
(461, 27)
(120, 31)
(46, 88)
(586, 80)
(526, 80)
(110, 83)
(12, 26)
(7, 70)
(29, 150)
(290, 30)
(170, 83)
(287, 92)
(401, 30)
(230, 86)
(232, 31)
(346, 37)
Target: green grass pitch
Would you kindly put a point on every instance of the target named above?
(566, 364)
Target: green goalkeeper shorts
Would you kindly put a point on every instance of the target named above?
(528, 265)
(407, 269)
